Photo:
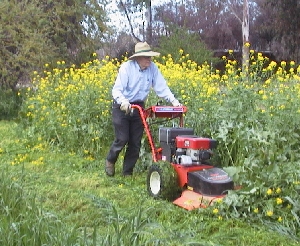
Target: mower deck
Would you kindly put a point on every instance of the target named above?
(190, 200)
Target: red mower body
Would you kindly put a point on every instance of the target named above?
(188, 155)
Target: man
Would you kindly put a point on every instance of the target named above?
(135, 79)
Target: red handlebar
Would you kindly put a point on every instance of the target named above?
(161, 112)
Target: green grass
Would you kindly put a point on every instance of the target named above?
(95, 208)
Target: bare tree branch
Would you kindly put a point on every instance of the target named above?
(129, 21)
(230, 4)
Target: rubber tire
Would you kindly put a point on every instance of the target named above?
(162, 181)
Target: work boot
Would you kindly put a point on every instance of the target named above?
(109, 168)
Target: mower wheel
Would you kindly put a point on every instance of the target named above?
(162, 181)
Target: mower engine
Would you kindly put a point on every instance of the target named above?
(191, 149)
(181, 146)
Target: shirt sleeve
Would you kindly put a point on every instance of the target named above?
(120, 83)
(160, 85)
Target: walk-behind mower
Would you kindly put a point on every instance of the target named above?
(180, 170)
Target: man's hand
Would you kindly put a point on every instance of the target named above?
(176, 103)
(125, 106)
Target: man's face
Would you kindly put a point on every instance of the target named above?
(144, 61)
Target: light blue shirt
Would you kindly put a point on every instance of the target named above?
(135, 84)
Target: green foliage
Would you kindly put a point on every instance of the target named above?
(68, 200)
(135, 230)
(76, 108)
(22, 222)
(181, 39)
(257, 130)
(10, 103)
(23, 44)
(247, 112)
(37, 32)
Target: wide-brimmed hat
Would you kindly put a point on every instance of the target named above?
(143, 49)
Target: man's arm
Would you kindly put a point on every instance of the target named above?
(120, 85)
(160, 86)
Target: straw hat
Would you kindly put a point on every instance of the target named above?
(143, 49)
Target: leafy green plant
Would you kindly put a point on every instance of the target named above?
(188, 44)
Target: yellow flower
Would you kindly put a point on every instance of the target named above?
(269, 213)
(255, 210)
(273, 64)
(283, 63)
(279, 219)
(269, 192)
(90, 158)
(281, 107)
(247, 44)
(219, 201)
(215, 211)
(279, 201)
(278, 190)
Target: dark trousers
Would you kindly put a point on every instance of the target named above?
(128, 132)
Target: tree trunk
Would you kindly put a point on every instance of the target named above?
(245, 31)
(149, 23)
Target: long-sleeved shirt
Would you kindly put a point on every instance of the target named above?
(134, 84)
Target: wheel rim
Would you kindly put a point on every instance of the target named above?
(155, 182)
